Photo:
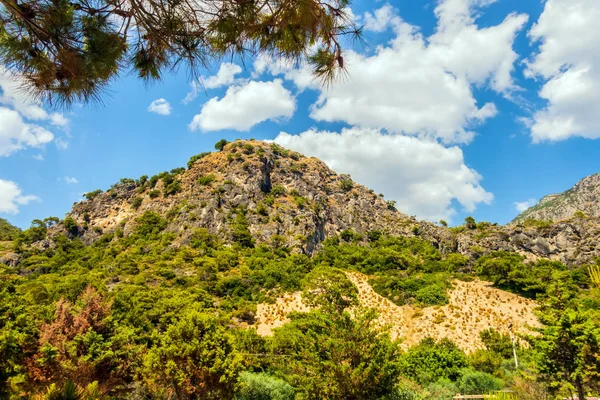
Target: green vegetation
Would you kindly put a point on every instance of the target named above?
(144, 309)
(92, 195)
(220, 145)
(207, 179)
(8, 231)
(195, 158)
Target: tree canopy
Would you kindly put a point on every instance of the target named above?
(69, 51)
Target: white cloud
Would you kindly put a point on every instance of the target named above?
(17, 110)
(70, 180)
(61, 143)
(382, 19)
(11, 197)
(423, 176)
(38, 157)
(569, 62)
(423, 86)
(160, 107)
(521, 206)
(224, 77)
(245, 106)
(14, 95)
(16, 134)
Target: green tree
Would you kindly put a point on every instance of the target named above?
(263, 387)
(220, 145)
(477, 382)
(568, 351)
(470, 223)
(429, 361)
(194, 359)
(330, 289)
(336, 358)
(70, 50)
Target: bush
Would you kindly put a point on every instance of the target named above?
(263, 387)
(154, 194)
(278, 190)
(429, 361)
(91, 195)
(136, 203)
(71, 225)
(220, 145)
(195, 158)
(346, 185)
(172, 188)
(207, 179)
(477, 382)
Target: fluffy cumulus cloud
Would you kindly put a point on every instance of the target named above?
(16, 134)
(423, 176)
(22, 118)
(569, 63)
(224, 77)
(524, 205)
(246, 105)
(160, 107)
(11, 197)
(421, 86)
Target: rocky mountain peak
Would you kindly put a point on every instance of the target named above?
(583, 197)
(276, 194)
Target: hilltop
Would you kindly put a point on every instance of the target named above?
(280, 195)
(583, 197)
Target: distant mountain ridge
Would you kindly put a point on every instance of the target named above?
(584, 197)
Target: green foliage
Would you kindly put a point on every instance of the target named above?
(430, 361)
(220, 145)
(350, 357)
(136, 202)
(580, 215)
(263, 387)
(8, 231)
(346, 184)
(194, 358)
(470, 223)
(172, 188)
(207, 179)
(278, 190)
(240, 232)
(330, 290)
(477, 382)
(71, 225)
(195, 158)
(568, 349)
(443, 223)
(149, 224)
(536, 223)
(92, 195)
(508, 270)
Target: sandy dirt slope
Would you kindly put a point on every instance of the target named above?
(473, 307)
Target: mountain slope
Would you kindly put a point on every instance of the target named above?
(280, 195)
(584, 197)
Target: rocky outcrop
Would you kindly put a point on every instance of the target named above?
(573, 242)
(286, 197)
(584, 197)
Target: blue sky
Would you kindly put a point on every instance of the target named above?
(452, 108)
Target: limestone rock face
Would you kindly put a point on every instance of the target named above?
(284, 195)
(584, 197)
